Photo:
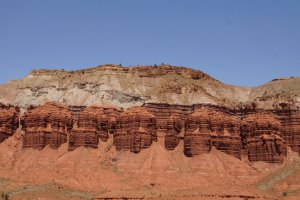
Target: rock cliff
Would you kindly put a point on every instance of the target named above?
(9, 121)
(131, 132)
(262, 135)
(93, 123)
(174, 132)
(289, 116)
(163, 112)
(207, 128)
(135, 130)
(178, 103)
(44, 125)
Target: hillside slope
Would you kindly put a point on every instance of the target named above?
(121, 86)
(132, 86)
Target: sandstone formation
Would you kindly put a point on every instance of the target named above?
(177, 102)
(9, 121)
(261, 135)
(46, 125)
(206, 128)
(291, 129)
(135, 130)
(289, 116)
(163, 112)
(92, 124)
(112, 114)
(174, 132)
(202, 126)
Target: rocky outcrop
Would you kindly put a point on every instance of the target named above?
(112, 114)
(46, 125)
(174, 132)
(291, 130)
(197, 135)
(92, 124)
(206, 128)
(135, 130)
(83, 137)
(163, 112)
(9, 121)
(261, 135)
(290, 121)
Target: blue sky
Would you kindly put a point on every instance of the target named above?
(236, 41)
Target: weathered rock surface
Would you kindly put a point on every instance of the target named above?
(163, 112)
(93, 123)
(289, 116)
(46, 125)
(174, 132)
(262, 135)
(135, 130)
(9, 121)
(112, 114)
(291, 128)
(206, 128)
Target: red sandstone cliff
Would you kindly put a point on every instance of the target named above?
(290, 121)
(169, 112)
(9, 121)
(46, 125)
(206, 128)
(178, 102)
(135, 130)
(262, 135)
(93, 123)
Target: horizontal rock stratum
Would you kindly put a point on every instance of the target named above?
(114, 85)
(119, 132)
(261, 135)
(85, 106)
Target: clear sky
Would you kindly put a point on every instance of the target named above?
(236, 41)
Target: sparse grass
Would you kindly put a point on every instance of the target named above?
(283, 173)
(52, 190)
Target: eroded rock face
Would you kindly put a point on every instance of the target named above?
(163, 112)
(174, 132)
(292, 131)
(9, 121)
(46, 125)
(206, 128)
(259, 135)
(112, 114)
(135, 130)
(290, 121)
(262, 136)
(91, 125)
